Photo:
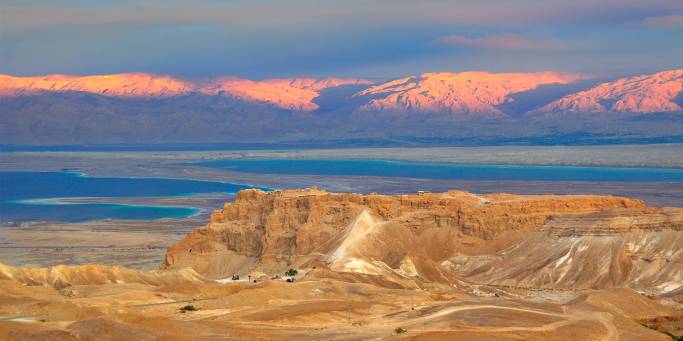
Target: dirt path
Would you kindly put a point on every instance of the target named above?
(605, 319)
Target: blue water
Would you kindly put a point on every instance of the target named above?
(19, 189)
(447, 171)
(18, 212)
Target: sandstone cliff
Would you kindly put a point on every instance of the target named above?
(372, 234)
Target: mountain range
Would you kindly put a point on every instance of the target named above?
(450, 108)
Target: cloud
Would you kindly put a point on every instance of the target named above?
(26, 15)
(666, 21)
(274, 38)
(501, 42)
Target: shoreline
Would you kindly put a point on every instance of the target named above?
(668, 155)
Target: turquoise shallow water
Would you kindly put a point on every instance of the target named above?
(446, 171)
(19, 191)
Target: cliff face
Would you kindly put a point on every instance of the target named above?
(366, 233)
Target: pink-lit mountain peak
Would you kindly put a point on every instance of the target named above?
(293, 94)
(463, 93)
(116, 85)
(641, 94)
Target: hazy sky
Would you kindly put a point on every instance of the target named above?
(259, 39)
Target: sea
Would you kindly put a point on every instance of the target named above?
(35, 196)
(41, 196)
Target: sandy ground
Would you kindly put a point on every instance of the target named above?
(318, 309)
(131, 243)
(136, 244)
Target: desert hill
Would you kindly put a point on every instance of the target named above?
(637, 248)
(62, 276)
(426, 266)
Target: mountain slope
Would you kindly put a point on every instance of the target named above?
(651, 93)
(294, 94)
(116, 85)
(469, 108)
(458, 94)
(637, 247)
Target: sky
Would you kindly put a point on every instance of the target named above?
(364, 38)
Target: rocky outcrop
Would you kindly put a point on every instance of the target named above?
(650, 93)
(637, 247)
(366, 233)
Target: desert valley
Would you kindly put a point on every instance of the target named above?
(308, 264)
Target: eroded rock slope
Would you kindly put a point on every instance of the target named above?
(405, 235)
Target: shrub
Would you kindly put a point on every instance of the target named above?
(187, 308)
(399, 330)
(290, 280)
(291, 272)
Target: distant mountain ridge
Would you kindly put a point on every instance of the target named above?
(641, 94)
(457, 93)
(292, 94)
(454, 93)
(473, 106)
